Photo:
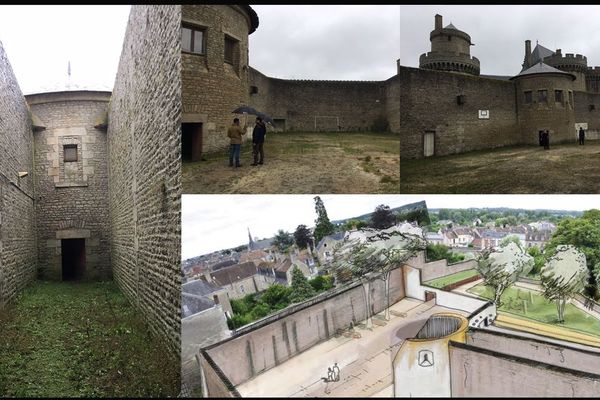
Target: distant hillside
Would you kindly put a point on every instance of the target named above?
(402, 209)
(513, 210)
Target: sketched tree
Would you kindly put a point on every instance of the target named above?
(564, 275)
(374, 256)
(501, 268)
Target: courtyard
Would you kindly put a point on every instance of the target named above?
(338, 162)
(63, 339)
(565, 168)
(364, 357)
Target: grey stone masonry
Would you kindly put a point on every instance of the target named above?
(17, 220)
(144, 151)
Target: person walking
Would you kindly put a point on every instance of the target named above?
(235, 133)
(581, 136)
(258, 139)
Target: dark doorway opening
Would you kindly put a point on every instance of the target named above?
(191, 141)
(73, 259)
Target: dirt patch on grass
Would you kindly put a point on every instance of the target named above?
(566, 168)
(303, 163)
(81, 340)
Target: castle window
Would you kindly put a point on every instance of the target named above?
(70, 152)
(230, 46)
(192, 39)
(558, 96)
(542, 96)
(528, 97)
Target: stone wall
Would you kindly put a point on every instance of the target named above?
(71, 199)
(583, 113)
(144, 143)
(513, 376)
(428, 102)
(393, 103)
(357, 105)
(558, 118)
(211, 87)
(18, 260)
(439, 268)
(271, 341)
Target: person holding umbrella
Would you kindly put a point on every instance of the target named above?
(258, 139)
(235, 133)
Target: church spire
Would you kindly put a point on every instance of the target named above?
(250, 241)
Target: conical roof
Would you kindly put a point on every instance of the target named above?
(450, 26)
(541, 68)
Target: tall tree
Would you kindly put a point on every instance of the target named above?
(303, 237)
(323, 226)
(583, 233)
(300, 289)
(502, 267)
(382, 217)
(283, 240)
(564, 275)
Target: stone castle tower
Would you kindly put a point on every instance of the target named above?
(450, 50)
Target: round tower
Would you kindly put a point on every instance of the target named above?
(545, 102)
(450, 50)
(574, 64)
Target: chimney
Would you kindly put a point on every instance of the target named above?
(438, 21)
(527, 60)
(207, 276)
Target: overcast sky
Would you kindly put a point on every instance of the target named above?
(333, 42)
(41, 40)
(499, 32)
(215, 222)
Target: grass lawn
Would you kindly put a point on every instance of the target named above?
(449, 279)
(337, 162)
(540, 309)
(566, 168)
(63, 339)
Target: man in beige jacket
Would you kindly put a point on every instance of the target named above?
(235, 133)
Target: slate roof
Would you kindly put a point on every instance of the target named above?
(450, 26)
(199, 287)
(539, 53)
(336, 236)
(235, 273)
(193, 304)
(541, 68)
(261, 244)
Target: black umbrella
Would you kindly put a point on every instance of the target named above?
(245, 110)
(265, 117)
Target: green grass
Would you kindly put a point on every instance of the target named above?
(453, 278)
(541, 310)
(61, 339)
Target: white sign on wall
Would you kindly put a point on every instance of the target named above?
(484, 114)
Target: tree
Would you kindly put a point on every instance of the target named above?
(501, 268)
(276, 296)
(564, 275)
(283, 240)
(374, 255)
(511, 239)
(323, 226)
(539, 260)
(300, 288)
(303, 237)
(439, 252)
(354, 224)
(583, 233)
(321, 283)
(382, 217)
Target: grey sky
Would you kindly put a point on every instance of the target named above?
(215, 222)
(41, 40)
(333, 42)
(499, 32)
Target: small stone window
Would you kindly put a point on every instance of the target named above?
(528, 97)
(542, 96)
(571, 98)
(192, 39)
(558, 96)
(230, 46)
(70, 152)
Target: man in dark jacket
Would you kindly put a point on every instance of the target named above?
(581, 135)
(258, 138)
